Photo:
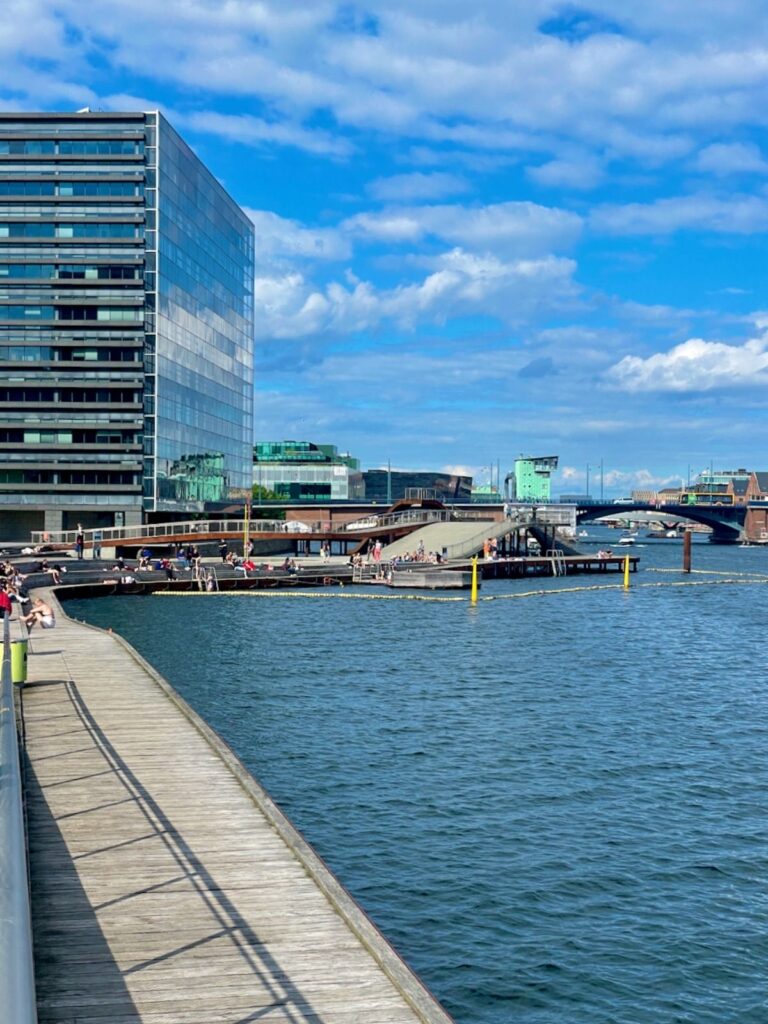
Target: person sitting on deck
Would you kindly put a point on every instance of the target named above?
(42, 613)
(246, 566)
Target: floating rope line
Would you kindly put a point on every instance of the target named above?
(715, 572)
(292, 595)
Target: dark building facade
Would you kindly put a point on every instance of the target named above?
(126, 325)
(382, 485)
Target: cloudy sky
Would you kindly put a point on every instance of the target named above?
(482, 229)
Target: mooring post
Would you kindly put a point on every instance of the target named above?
(626, 572)
(687, 551)
(473, 591)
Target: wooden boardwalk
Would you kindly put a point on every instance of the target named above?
(166, 887)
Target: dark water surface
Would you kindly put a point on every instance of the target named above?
(554, 807)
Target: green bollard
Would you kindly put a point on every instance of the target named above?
(19, 661)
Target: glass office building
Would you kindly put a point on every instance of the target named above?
(126, 325)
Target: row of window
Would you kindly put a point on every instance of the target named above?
(68, 395)
(44, 210)
(45, 476)
(70, 272)
(105, 437)
(71, 188)
(71, 147)
(25, 229)
(49, 354)
(33, 313)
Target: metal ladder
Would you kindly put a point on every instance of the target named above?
(363, 573)
(559, 564)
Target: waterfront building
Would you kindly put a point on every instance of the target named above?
(531, 479)
(487, 493)
(303, 471)
(756, 522)
(722, 487)
(386, 486)
(669, 495)
(757, 488)
(647, 497)
(126, 325)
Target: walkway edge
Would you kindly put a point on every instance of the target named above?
(405, 980)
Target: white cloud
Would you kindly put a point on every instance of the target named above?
(417, 186)
(736, 214)
(278, 238)
(723, 159)
(290, 306)
(521, 228)
(694, 365)
(583, 172)
(256, 131)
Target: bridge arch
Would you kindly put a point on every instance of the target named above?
(726, 522)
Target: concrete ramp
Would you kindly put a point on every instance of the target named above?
(462, 539)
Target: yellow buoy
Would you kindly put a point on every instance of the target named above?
(626, 572)
(473, 592)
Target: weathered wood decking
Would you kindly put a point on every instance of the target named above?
(166, 888)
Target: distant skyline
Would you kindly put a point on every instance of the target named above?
(482, 230)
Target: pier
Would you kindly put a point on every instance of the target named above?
(166, 886)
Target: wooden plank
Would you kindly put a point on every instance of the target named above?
(162, 892)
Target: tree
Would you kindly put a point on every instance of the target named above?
(262, 494)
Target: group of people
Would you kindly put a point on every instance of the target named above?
(428, 557)
(40, 612)
(490, 548)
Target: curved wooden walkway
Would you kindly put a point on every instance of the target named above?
(166, 886)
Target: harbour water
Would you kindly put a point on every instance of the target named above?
(553, 806)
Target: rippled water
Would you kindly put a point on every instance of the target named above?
(555, 807)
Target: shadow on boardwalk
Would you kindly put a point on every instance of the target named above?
(92, 940)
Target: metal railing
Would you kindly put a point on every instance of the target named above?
(420, 517)
(17, 974)
(108, 536)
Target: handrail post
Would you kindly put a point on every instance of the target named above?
(17, 973)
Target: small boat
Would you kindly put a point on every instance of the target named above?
(628, 538)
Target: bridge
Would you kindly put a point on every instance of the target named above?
(726, 521)
(399, 521)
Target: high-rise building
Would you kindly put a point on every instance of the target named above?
(126, 325)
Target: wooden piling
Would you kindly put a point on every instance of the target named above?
(687, 536)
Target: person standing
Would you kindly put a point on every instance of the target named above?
(223, 549)
(79, 541)
(97, 537)
(5, 602)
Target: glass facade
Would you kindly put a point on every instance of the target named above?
(384, 486)
(126, 321)
(303, 471)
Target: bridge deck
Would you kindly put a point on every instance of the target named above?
(166, 888)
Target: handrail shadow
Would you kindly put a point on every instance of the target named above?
(227, 923)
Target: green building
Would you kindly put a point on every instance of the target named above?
(532, 478)
(303, 471)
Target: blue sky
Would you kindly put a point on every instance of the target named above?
(482, 229)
